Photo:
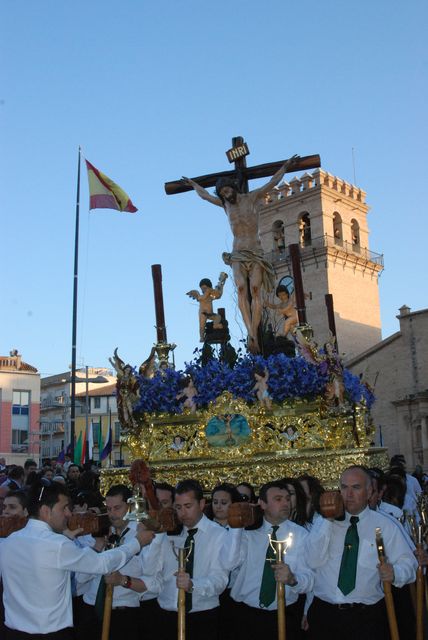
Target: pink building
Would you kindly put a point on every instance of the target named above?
(19, 409)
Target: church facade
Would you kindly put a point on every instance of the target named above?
(397, 368)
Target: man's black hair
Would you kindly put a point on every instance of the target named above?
(71, 466)
(165, 486)
(185, 486)
(16, 473)
(29, 463)
(91, 498)
(398, 461)
(42, 493)
(273, 484)
(394, 490)
(230, 489)
(21, 496)
(119, 490)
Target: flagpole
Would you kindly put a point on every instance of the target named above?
(100, 439)
(111, 435)
(74, 322)
(87, 416)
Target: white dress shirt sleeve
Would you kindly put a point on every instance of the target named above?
(299, 566)
(86, 560)
(231, 555)
(316, 544)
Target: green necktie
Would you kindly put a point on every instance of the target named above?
(268, 586)
(189, 563)
(348, 566)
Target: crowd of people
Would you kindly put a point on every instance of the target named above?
(54, 580)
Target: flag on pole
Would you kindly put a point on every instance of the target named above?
(90, 441)
(78, 450)
(100, 438)
(61, 456)
(84, 447)
(106, 194)
(108, 445)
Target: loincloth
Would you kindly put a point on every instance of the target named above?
(247, 259)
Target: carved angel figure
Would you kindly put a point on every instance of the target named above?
(205, 299)
(328, 361)
(188, 392)
(261, 388)
(128, 390)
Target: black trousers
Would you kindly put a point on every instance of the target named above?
(358, 622)
(254, 623)
(63, 634)
(124, 624)
(201, 625)
(150, 618)
(404, 610)
(227, 627)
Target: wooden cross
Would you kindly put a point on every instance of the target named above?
(241, 173)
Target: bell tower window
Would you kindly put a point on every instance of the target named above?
(305, 230)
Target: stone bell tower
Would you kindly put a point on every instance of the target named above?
(327, 217)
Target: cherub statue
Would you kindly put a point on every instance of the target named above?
(329, 362)
(205, 300)
(128, 390)
(188, 392)
(286, 308)
(261, 388)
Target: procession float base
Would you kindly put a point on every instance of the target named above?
(235, 441)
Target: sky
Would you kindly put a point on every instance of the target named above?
(152, 91)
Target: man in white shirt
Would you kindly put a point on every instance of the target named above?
(413, 488)
(36, 563)
(349, 599)
(255, 583)
(127, 583)
(204, 578)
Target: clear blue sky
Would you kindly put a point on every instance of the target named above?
(155, 90)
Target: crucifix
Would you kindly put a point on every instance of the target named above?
(241, 173)
(251, 271)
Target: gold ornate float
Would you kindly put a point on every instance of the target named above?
(235, 441)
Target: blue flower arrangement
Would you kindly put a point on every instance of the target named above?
(288, 378)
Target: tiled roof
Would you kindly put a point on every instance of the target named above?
(9, 363)
(99, 390)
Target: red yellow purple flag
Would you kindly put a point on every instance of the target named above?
(106, 194)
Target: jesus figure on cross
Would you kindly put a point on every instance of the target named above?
(251, 272)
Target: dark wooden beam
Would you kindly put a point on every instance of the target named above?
(250, 173)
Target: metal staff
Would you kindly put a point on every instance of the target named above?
(419, 591)
(390, 609)
(108, 603)
(182, 554)
(280, 548)
(417, 532)
(114, 541)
